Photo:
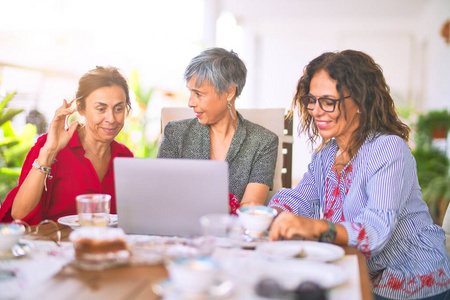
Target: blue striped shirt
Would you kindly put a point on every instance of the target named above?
(377, 199)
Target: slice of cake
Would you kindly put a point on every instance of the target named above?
(95, 244)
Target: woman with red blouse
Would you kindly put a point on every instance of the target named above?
(67, 162)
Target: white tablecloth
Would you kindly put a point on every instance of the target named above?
(46, 259)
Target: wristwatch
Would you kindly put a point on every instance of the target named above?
(329, 235)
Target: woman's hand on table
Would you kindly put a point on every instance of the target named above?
(290, 226)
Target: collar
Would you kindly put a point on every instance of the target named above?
(202, 131)
(238, 138)
(116, 148)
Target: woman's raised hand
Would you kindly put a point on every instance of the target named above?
(58, 137)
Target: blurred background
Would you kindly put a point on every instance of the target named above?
(47, 45)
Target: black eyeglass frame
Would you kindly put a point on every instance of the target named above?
(305, 101)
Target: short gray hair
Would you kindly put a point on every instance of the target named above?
(220, 67)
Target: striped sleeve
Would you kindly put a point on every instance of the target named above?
(302, 200)
(389, 181)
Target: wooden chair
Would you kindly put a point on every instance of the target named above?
(270, 118)
(446, 226)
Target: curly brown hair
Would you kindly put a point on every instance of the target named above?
(355, 73)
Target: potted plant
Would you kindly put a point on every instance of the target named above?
(432, 162)
(432, 125)
(437, 195)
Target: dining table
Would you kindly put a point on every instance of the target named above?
(56, 278)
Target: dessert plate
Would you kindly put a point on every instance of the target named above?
(73, 221)
(308, 250)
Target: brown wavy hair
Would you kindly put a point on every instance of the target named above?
(357, 74)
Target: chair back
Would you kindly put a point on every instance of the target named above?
(270, 118)
(446, 226)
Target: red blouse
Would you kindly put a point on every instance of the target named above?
(73, 175)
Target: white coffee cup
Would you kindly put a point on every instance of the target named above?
(10, 235)
(192, 274)
(256, 219)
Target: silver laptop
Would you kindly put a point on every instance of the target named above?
(168, 196)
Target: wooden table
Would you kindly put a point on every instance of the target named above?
(130, 282)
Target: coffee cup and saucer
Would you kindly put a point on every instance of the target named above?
(255, 221)
(10, 244)
(193, 278)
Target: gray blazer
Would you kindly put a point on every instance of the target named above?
(251, 158)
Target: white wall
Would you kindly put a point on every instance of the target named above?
(414, 58)
(279, 38)
(436, 56)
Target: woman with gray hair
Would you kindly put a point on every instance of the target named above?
(215, 78)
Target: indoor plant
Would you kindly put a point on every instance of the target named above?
(432, 125)
(432, 162)
(134, 133)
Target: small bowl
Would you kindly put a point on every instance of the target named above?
(193, 274)
(256, 219)
(10, 235)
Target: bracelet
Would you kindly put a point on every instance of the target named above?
(40, 167)
(45, 170)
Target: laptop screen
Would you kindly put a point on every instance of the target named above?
(168, 196)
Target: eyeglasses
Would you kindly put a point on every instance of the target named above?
(325, 103)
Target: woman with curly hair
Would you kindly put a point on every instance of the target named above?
(361, 187)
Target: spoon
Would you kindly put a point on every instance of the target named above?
(17, 251)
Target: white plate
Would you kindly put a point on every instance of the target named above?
(291, 273)
(73, 222)
(100, 265)
(312, 250)
(221, 289)
(167, 246)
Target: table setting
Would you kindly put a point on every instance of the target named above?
(233, 259)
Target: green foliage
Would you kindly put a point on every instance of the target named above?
(13, 147)
(427, 123)
(433, 165)
(7, 115)
(134, 133)
(135, 85)
(437, 190)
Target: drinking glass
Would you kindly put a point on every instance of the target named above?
(93, 209)
(220, 229)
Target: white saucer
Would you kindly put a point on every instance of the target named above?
(167, 289)
(310, 250)
(100, 265)
(73, 221)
